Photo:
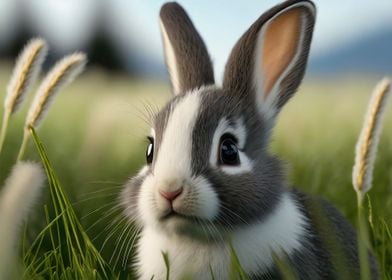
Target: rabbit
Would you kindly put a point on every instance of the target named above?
(210, 189)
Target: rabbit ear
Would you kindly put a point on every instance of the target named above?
(186, 55)
(269, 60)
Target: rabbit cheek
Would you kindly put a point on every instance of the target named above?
(130, 195)
(206, 199)
(147, 206)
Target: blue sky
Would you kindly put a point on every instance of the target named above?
(222, 22)
(134, 23)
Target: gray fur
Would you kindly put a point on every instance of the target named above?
(250, 197)
(194, 64)
(260, 190)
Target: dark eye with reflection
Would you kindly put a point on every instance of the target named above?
(150, 150)
(228, 150)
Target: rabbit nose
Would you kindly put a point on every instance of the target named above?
(171, 195)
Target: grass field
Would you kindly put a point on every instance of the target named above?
(94, 137)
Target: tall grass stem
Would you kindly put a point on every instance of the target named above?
(4, 127)
(25, 142)
(363, 243)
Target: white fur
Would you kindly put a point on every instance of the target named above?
(198, 199)
(145, 202)
(172, 170)
(173, 161)
(239, 131)
(254, 244)
(129, 208)
(283, 231)
(152, 133)
(170, 60)
(207, 199)
(268, 105)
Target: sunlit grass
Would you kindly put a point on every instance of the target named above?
(94, 138)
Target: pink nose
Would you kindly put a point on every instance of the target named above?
(171, 195)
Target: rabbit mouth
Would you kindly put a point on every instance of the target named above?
(175, 217)
(172, 214)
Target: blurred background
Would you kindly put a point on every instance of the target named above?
(123, 35)
(95, 132)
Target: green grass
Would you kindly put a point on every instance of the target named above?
(94, 135)
(72, 255)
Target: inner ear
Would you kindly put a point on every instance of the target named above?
(280, 44)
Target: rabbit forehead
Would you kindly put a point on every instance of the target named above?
(185, 127)
(173, 134)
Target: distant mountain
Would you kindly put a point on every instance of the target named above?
(368, 55)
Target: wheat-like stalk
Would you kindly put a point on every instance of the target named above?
(20, 193)
(366, 147)
(27, 68)
(26, 71)
(365, 155)
(63, 73)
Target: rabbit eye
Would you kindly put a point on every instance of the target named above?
(228, 152)
(150, 151)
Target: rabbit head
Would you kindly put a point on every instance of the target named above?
(208, 169)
